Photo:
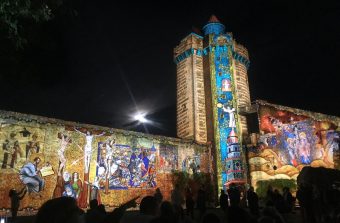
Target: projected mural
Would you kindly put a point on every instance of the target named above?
(290, 141)
(121, 167)
(53, 158)
(229, 164)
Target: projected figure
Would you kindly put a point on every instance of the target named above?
(11, 148)
(319, 152)
(304, 149)
(76, 185)
(145, 165)
(132, 167)
(108, 156)
(65, 140)
(32, 146)
(291, 149)
(88, 148)
(94, 192)
(231, 111)
(226, 85)
(30, 177)
(332, 145)
(69, 192)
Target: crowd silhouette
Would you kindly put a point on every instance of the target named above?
(317, 205)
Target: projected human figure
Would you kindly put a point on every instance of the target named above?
(88, 148)
(304, 149)
(32, 146)
(29, 175)
(226, 85)
(61, 152)
(108, 156)
(231, 111)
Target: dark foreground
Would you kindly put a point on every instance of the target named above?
(294, 217)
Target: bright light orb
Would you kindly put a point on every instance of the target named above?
(140, 117)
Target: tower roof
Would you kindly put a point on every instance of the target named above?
(214, 26)
(232, 138)
(213, 19)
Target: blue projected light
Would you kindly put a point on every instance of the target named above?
(213, 28)
(226, 113)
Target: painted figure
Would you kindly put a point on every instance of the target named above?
(76, 184)
(231, 111)
(143, 156)
(108, 156)
(291, 149)
(152, 176)
(94, 191)
(304, 149)
(65, 140)
(69, 192)
(30, 177)
(32, 146)
(319, 152)
(11, 148)
(88, 148)
(226, 85)
(66, 177)
(332, 144)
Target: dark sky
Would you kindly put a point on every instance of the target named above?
(95, 60)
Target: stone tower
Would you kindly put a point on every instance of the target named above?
(212, 85)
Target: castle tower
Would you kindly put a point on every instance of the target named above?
(213, 66)
(241, 64)
(191, 115)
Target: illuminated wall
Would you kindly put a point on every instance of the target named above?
(291, 139)
(86, 162)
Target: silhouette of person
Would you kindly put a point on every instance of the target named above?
(189, 203)
(15, 201)
(147, 211)
(253, 201)
(167, 215)
(234, 195)
(223, 200)
(158, 196)
(288, 199)
(201, 199)
(61, 209)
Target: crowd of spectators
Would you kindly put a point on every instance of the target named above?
(316, 206)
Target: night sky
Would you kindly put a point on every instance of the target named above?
(96, 61)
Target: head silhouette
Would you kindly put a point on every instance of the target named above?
(148, 206)
(94, 204)
(62, 209)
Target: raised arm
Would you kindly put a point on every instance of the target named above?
(23, 195)
(22, 190)
(79, 131)
(101, 134)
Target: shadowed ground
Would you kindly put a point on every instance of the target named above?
(290, 218)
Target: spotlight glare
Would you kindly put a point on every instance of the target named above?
(141, 118)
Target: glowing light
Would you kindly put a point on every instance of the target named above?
(140, 117)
